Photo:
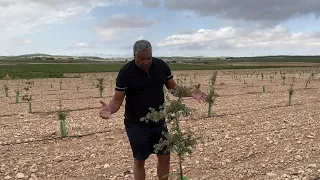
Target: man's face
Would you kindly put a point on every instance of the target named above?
(143, 59)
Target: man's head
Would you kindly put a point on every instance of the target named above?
(142, 52)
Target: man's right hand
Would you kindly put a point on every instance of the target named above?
(105, 112)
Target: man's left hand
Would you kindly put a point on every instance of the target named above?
(198, 94)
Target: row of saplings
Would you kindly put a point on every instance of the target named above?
(179, 141)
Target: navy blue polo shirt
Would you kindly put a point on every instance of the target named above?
(143, 90)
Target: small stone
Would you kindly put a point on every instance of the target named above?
(312, 165)
(291, 170)
(2, 168)
(311, 137)
(309, 171)
(7, 177)
(271, 174)
(298, 157)
(110, 137)
(58, 158)
(20, 176)
(285, 176)
(106, 166)
(33, 168)
(227, 136)
(34, 176)
(300, 171)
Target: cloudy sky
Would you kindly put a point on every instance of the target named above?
(109, 28)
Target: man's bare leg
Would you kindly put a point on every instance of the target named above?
(138, 170)
(163, 166)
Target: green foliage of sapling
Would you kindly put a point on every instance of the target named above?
(176, 140)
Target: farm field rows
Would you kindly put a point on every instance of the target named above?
(252, 135)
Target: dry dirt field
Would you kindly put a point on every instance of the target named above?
(253, 135)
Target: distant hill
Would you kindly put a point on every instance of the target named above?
(32, 55)
(55, 56)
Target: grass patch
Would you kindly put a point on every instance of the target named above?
(30, 71)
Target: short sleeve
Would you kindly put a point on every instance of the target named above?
(121, 81)
(168, 73)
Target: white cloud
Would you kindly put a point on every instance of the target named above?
(232, 38)
(202, 35)
(83, 45)
(23, 16)
(80, 45)
(264, 11)
(120, 23)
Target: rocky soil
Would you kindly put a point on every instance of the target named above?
(253, 135)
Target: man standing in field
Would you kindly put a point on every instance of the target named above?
(142, 81)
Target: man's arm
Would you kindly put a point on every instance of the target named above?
(171, 84)
(116, 102)
(113, 106)
(182, 91)
(173, 87)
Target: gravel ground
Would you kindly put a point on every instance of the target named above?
(253, 135)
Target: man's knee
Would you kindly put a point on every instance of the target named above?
(163, 159)
(139, 163)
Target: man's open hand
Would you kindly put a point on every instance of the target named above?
(105, 112)
(198, 94)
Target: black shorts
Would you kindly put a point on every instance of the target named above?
(143, 138)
